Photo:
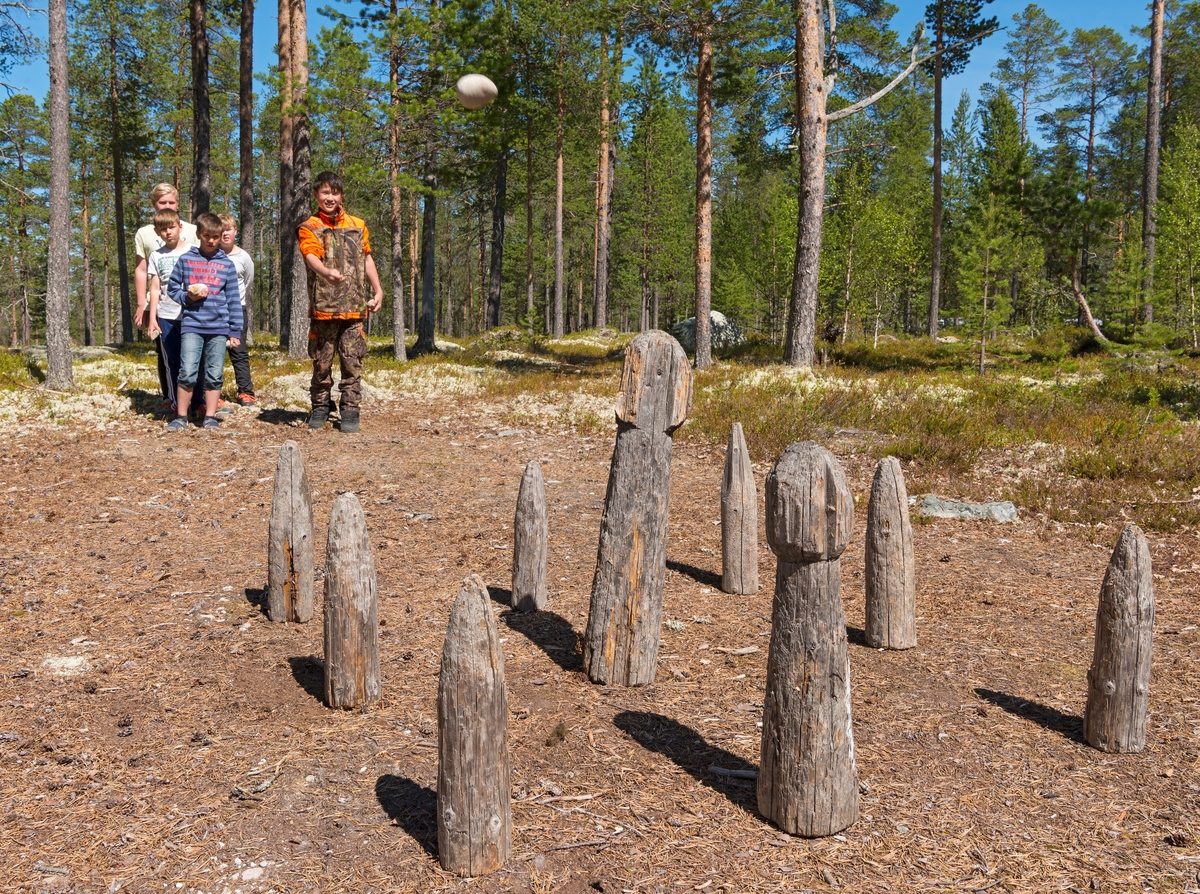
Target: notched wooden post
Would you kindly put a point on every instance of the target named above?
(530, 539)
(290, 541)
(807, 782)
(891, 581)
(351, 614)
(739, 518)
(1119, 678)
(625, 616)
(474, 810)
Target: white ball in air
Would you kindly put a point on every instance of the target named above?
(475, 90)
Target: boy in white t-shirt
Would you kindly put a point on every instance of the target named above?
(164, 311)
(164, 197)
(238, 355)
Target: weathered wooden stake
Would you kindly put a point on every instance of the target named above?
(891, 581)
(624, 619)
(474, 811)
(290, 541)
(530, 539)
(739, 518)
(807, 781)
(1119, 679)
(351, 615)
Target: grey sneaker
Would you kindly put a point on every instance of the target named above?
(211, 422)
(224, 409)
(179, 423)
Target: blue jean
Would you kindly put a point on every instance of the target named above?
(198, 351)
(168, 354)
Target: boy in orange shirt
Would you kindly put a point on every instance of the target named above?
(337, 252)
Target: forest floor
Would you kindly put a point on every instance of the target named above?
(158, 733)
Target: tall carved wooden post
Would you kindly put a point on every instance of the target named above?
(807, 781)
(351, 615)
(530, 542)
(625, 617)
(739, 518)
(1119, 679)
(891, 581)
(289, 542)
(474, 809)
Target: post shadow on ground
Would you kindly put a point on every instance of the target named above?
(257, 598)
(411, 806)
(856, 635)
(699, 575)
(688, 750)
(310, 676)
(549, 631)
(1070, 726)
(280, 416)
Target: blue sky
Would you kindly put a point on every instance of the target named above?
(1121, 15)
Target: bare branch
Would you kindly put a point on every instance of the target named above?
(914, 61)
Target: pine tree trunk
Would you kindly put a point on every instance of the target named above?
(201, 190)
(603, 199)
(399, 351)
(810, 137)
(935, 269)
(559, 297)
(496, 268)
(89, 286)
(58, 303)
(1150, 167)
(118, 161)
(302, 177)
(246, 146)
(426, 342)
(287, 181)
(704, 115)
(529, 215)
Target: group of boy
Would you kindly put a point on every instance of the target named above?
(192, 281)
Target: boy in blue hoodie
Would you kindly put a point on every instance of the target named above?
(204, 283)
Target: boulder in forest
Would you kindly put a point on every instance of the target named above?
(725, 332)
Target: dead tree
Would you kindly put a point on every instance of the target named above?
(290, 541)
(530, 539)
(739, 518)
(474, 810)
(625, 616)
(1119, 679)
(807, 781)
(890, 579)
(351, 614)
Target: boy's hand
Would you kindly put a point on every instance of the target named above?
(234, 342)
(334, 276)
(139, 318)
(376, 303)
(197, 291)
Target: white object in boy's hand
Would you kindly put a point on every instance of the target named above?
(475, 91)
(197, 290)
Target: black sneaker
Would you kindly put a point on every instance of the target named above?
(318, 417)
(349, 423)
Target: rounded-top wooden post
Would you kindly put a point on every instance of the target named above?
(530, 542)
(290, 541)
(807, 781)
(474, 809)
(739, 518)
(625, 615)
(891, 578)
(351, 613)
(1119, 679)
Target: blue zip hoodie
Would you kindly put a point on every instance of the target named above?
(221, 312)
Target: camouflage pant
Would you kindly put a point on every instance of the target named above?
(346, 338)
